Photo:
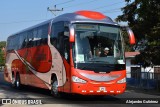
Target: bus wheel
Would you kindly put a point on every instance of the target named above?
(17, 82)
(54, 88)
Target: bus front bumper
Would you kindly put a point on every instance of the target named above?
(94, 88)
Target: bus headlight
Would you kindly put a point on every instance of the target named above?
(122, 81)
(77, 79)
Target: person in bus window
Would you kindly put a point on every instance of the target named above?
(104, 52)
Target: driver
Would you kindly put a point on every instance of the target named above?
(104, 52)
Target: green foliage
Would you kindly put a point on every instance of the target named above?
(127, 45)
(143, 16)
(2, 44)
(2, 60)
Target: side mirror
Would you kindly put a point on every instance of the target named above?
(72, 34)
(130, 34)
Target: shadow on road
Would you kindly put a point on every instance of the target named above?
(144, 91)
(69, 98)
(26, 91)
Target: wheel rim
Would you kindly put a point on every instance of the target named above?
(17, 82)
(13, 80)
(55, 87)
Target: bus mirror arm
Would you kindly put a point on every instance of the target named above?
(72, 34)
(130, 34)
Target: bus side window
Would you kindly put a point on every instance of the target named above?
(8, 45)
(56, 31)
(30, 38)
(60, 38)
(39, 33)
(66, 43)
(24, 40)
(16, 44)
(63, 46)
(44, 34)
(66, 49)
(35, 32)
(60, 43)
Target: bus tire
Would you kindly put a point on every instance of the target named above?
(54, 88)
(17, 81)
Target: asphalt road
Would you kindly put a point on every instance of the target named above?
(131, 95)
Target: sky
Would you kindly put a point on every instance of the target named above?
(16, 15)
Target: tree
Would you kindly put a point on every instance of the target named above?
(2, 60)
(143, 16)
(2, 44)
(127, 45)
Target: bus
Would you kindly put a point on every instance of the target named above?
(76, 53)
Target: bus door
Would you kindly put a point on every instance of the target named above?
(60, 52)
(61, 43)
(66, 61)
(64, 47)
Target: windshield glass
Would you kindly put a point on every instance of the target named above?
(98, 43)
(98, 47)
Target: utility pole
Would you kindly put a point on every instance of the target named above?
(54, 11)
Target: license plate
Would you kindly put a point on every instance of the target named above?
(102, 88)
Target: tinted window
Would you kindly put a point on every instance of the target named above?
(23, 39)
(66, 49)
(42, 35)
(30, 38)
(60, 38)
(35, 38)
(57, 30)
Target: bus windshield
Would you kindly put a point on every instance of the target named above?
(98, 43)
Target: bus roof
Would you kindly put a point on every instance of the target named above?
(85, 16)
(78, 16)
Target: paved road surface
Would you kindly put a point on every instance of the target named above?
(6, 91)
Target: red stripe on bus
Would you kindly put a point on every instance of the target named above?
(91, 15)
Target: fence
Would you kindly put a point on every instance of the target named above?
(145, 80)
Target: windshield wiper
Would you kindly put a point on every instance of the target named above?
(94, 61)
(86, 66)
(103, 62)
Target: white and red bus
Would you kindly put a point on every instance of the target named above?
(78, 53)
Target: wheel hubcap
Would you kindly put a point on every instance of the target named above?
(17, 82)
(54, 87)
(13, 80)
